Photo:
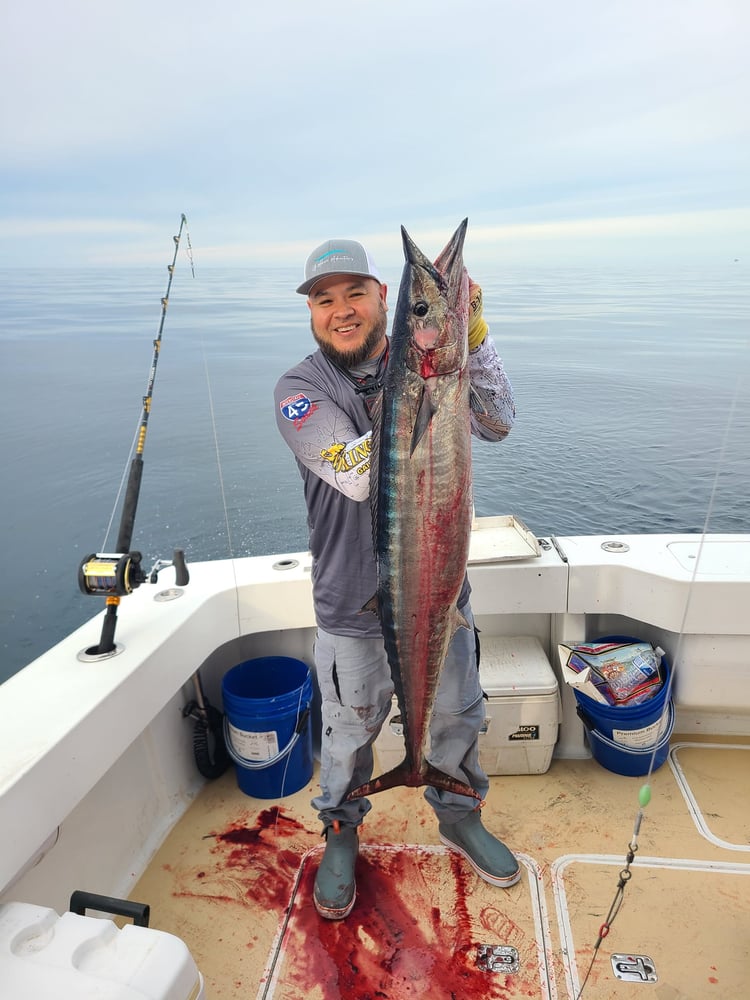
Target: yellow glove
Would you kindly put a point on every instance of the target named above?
(477, 323)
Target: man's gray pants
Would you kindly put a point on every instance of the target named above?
(356, 689)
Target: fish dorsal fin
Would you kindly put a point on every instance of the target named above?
(425, 414)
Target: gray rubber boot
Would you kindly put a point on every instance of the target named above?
(335, 888)
(488, 856)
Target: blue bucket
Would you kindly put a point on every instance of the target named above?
(623, 737)
(632, 761)
(267, 725)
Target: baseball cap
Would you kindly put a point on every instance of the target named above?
(337, 257)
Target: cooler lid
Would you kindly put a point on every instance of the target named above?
(515, 665)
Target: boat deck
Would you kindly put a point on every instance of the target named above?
(234, 881)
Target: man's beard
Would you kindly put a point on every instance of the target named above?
(351, 359)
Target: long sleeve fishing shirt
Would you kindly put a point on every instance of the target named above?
(324, 419)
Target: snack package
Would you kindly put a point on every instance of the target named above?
(622, 673)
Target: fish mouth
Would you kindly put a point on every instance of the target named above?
(440, 361)
(427, 338)
(431, 356)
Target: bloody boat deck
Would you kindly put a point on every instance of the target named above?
(234, 881)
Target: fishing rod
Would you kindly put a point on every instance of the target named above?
(114, 575)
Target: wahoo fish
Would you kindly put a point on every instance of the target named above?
(421, 496)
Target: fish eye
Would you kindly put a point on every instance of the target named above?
(420, 308)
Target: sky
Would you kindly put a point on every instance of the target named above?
(566, 130)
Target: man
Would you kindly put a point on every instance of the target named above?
(323, 412)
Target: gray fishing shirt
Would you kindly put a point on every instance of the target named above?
(324, 420)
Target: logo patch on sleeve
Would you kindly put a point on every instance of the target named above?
(297, 408)
(344, 459)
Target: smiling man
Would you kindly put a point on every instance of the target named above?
(323, 408)
(348, 313)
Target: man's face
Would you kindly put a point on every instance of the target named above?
(348, 318)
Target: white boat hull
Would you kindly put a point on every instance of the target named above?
(97, 763)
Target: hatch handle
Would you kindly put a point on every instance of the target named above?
(139, 913)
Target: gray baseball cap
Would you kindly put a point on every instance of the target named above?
(337, 257)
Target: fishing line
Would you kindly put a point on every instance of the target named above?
(189, 252)
(217, 450)
(644, 794)
(222, 490)
(298, 727)
(301, 716)
(122, 484)
(224, 744)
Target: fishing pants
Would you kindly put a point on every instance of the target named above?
(356, 689)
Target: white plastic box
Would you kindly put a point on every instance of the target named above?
(44, 956)
(522, 713)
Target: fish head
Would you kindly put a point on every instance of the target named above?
(431, 319)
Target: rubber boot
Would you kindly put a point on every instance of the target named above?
(335, 888)
(488, 856)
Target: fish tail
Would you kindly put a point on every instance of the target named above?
(412, 777)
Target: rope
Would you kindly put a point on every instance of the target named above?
(260, 765)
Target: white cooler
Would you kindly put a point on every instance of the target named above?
(44, 956)
(522, 715)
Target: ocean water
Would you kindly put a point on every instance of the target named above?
(632, 391)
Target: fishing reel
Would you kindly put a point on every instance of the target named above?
(115, 575)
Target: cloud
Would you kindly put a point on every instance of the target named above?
(564, 239)
(23, 228)
(271, 125)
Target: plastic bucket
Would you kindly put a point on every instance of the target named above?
(631, 760)
(623, 737)
(267, 725)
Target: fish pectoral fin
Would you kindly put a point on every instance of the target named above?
(373, 606)
(459, 621)
(475, 402)
(425, 413)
